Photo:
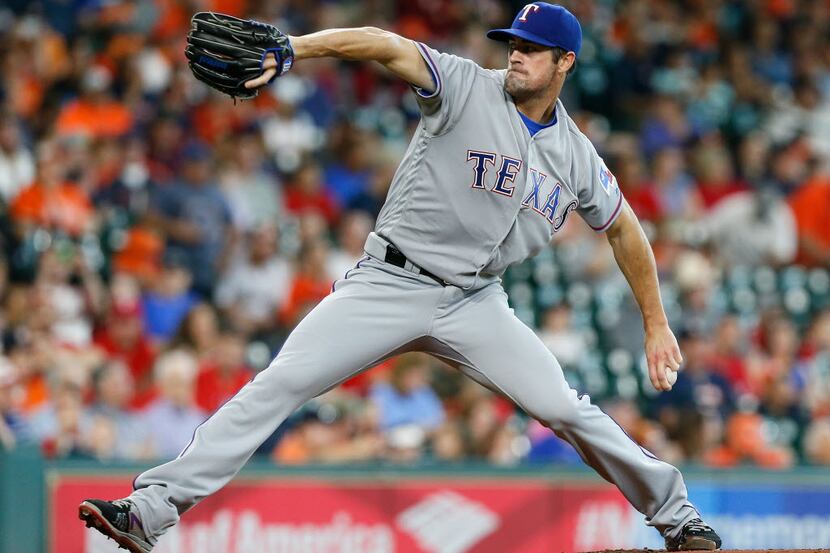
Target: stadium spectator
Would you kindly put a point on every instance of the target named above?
(172, 418)
(122, 339)
(407, 407)
(752, 228)
(784, 418)
(17, 164)
(127, 188)
(223, 373)
(700, 402)
(349, 175)
(777, 361)
(715, 174)
(256, 284)
(12, 424)
(811, 206)
(675, 189)
(354, 227)
(324, 434)
(307, 193)
(729, 354)
(52, 201)
(696, 278)
(254, 195)
(198, 332)
(113, 391)
(745, 442)
(167, 300)
(563, 340)
(640, 194)
(803, 112)
(70, 292)
(665, 127)
(196, 219)
(60, 425)
(94, 114)
(817, 368)
(370, 201)
(309, 285)
(817, 442)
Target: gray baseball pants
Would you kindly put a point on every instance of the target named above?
(380, 310)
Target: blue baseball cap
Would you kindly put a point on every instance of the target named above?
(547, 24)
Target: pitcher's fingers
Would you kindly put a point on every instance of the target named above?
(270, 61)
(269, 69)
(654, 373)
(262, 80)
(660, 363)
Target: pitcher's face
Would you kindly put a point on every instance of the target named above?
(531, 69)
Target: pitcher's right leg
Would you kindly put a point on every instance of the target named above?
(372, 314)
(481, 332)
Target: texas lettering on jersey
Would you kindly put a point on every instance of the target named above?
(542, 198)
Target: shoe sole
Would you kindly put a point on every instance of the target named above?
(93, 518)
(698, 544)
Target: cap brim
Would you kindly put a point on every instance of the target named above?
(504, 35)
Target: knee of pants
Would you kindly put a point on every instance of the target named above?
(558, 415)
(296, 381)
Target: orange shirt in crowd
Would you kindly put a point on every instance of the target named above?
(305, 292)
(35, 394)
(141, 254)
(811, 208)
(107, 119)
(291, 450)
(65, 207)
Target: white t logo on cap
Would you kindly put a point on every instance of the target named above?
(529, 8)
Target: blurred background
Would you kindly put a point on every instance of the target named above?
(159, 242)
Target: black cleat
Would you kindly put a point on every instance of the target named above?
(117, 520)
(696, 535)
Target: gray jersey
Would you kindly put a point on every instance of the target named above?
(475, 192)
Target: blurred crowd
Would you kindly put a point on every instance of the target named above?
(160, 241)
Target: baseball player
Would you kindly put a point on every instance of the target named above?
(493, 171)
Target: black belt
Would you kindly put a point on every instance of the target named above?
(398, 259)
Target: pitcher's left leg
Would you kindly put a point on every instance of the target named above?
(483, 334)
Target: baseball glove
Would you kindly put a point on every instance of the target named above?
(225, 52)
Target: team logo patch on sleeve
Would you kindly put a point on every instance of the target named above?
(607, 180)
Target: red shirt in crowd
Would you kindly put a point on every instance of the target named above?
(213, 388)
(713, 192)
(298, 202)
(645, 201)
(133, 349)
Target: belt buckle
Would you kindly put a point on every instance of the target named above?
(395, 256)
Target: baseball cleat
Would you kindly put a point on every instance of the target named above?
(117, 520)
(696, 535)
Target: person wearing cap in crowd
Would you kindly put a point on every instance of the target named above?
(196, 218)
(169, 300)
(123, 340)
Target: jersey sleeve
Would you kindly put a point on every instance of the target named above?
(600, 198)
(452, 78)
